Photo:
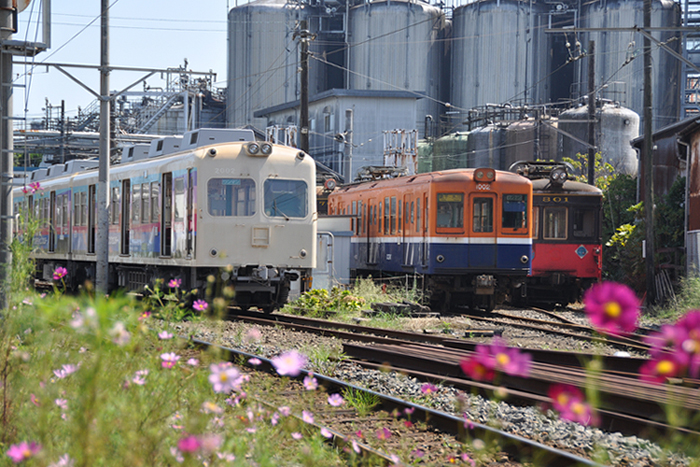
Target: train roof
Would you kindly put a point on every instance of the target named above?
(544, 185)
(452, 175)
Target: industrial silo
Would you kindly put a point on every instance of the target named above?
(619, 62)
(616, 127)
(395, 45)
(451, 152)
(499, 53)
(264, 57)
(531, 139)
(486, 145)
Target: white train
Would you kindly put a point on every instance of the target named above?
(210, 202)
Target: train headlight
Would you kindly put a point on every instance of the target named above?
(558, 175)
(524, 259)
(211, 152)
(266, 149)
(301, 155)
(253, 148)
(303, 253)
(484, 175)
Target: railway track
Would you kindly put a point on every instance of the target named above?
(432, 430)
(629, 405)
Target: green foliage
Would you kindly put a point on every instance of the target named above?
(168, 303)
(687, 298)
(318, 302)
(669, 217)
(21, 247)
(361, 401)
(604, 173)
(624, 253)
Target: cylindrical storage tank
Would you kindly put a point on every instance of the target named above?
(451, 152)
(619, 60)
(530, 140)
(499, 53)
(486, 146)
(396, 46)
(616, 127)
(264, 58)
(425, 156)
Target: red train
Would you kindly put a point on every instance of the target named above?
(567, 235)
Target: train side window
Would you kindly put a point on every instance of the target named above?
(285, 198)
(392, 215)
(387, 216)
(231, 197)
(155, 205)
(353, 220)
(145, 203)
(450, 210)
(418, 215)
(536, 222)
(583, 223)
(554, 223)
(412, 212)
(83, 208)
(514, 211)
(483, 215)
(379, 218)
(135, 203)
(114, 206)
(66, 211)
(179, 204)
(76, 208)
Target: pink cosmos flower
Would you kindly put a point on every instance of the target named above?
(612, 308)
(200, 305)
(297, 435)
(175, 283)
(65, 371)
(34, 400)
(255, 361)
(252, 336)
(224, 377)
(285, 411)
(307, 417)
(289, 363)
(119, 334)
(570, 402)
(62, 403)
(193, 362)
(59, 273)
(310, 383)
(479, 366)
(63, 461)
(428, 388)
(325, 433)
(210, 443)
(22, 451)
(657, 370)
(509, 360)
(34, 186)
(335, 400)
(383, 434)
(355, 446)
(169, 359)
(189, 443)
(163, 335)
(144, 315)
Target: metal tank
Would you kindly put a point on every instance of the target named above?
(616, 127)
(530, 140)
(396, 45)
(264, 57)
(622, 82)
(499, 53)
(486, 145)
(451, 152)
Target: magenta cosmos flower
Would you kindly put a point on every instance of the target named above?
(664, 365)
(169, 359)
(189, 443)
(224, 377)
(200, 305)
(289, 363)
(175, 283)
(612, 308)
(336, 400)
(22, 451)
(59, 273)
(571, 404)
(509, 360)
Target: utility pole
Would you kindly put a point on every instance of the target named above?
(102, 243)
(591, 112)
(7, 154)
(304, 38)
(648, 175)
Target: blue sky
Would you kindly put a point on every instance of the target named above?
(143, 33)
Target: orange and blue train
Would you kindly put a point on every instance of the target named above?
(467, 232)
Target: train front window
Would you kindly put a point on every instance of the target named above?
(584, 223)
(450, 208)
(285, 198)
(231, 197)
(554, 224)
(483, 215)
(514, 211)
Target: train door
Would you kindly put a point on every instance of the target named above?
(91, 218)
(425, 228)
(482, 231)
(52, 222)
(371, 229)
(406, 231)
(166, 221)
(191, 218)
(126, 216)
